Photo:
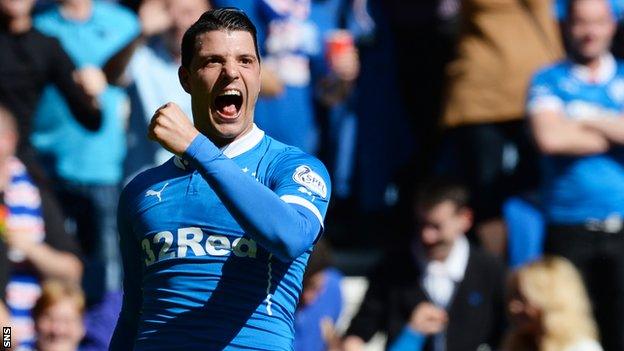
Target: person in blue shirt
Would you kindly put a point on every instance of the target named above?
(86, 166)
(215, 241)
(576, 110)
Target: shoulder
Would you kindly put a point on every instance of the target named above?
(47, 41)
(284, 160)
(551, 72)
(619, 64)
(50, 16)
(105, 8)
(485, 263)
(396, 268)
(280, 154)
(144, 181)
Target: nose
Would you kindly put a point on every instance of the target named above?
(428, 235)
(230, 70)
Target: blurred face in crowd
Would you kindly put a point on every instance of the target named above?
(223, 79)
(60, 327)
(16, 8)
(312, 287)
(8, 136)
(591, 27)
(183, 14)
(523, 316)
(440, 226)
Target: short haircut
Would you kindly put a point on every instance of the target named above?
(224, 19)
(54, 291)
(436, 191)
(571, 3)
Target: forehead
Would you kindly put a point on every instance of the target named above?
(225, 42)
(591, 8)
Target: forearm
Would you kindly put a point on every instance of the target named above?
(51, 263)
(281, 228)
(562, 137)
(116, 66)
(611, 128)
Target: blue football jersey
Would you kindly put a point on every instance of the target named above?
(199, 281)
(578, 188)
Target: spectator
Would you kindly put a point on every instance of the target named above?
(441, 291)
(88, 166)
(576, 112)
(320, 303)
(549, 309)
(38, 246)
(30, 60)
(500, 44)
(146, 67)
(58, 317)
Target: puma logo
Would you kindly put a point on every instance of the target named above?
(151, 192)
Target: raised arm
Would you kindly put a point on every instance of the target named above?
(285, 224)
(84, 108)
(127, 324)
(154, 19)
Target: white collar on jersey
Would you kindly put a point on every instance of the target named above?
(235, 148)
(606, 71)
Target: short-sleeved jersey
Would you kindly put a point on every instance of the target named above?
(206, 284)
(578, 188)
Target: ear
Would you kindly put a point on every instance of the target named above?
(184, 76)
(466, 218)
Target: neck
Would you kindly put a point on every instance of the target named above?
(592, 63)
(18, 25)
(76, 9)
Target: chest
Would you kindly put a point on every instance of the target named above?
(184, 218)
(582, 99)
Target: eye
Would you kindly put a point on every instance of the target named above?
(246, 60)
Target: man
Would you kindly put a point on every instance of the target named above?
(215, 241)
(441, 293)
(575, 109)
(38, 246)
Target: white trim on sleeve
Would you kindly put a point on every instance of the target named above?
(297, 200)
(545, 103)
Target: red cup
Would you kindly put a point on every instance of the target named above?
(338, 42)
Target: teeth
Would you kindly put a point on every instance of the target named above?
(231, 92)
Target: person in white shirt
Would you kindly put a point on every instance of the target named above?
(439, 293)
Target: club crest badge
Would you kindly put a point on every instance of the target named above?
(305, 176)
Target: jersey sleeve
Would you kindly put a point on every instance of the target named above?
(302, 180)
(542, 95)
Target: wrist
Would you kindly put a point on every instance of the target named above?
(200, 150)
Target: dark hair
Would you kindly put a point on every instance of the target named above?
(226, 19)
(436, 191)
(318, 261)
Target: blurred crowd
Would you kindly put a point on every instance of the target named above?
(476, 149)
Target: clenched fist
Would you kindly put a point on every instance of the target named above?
(172, 129)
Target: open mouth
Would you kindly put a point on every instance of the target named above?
(228, 103)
